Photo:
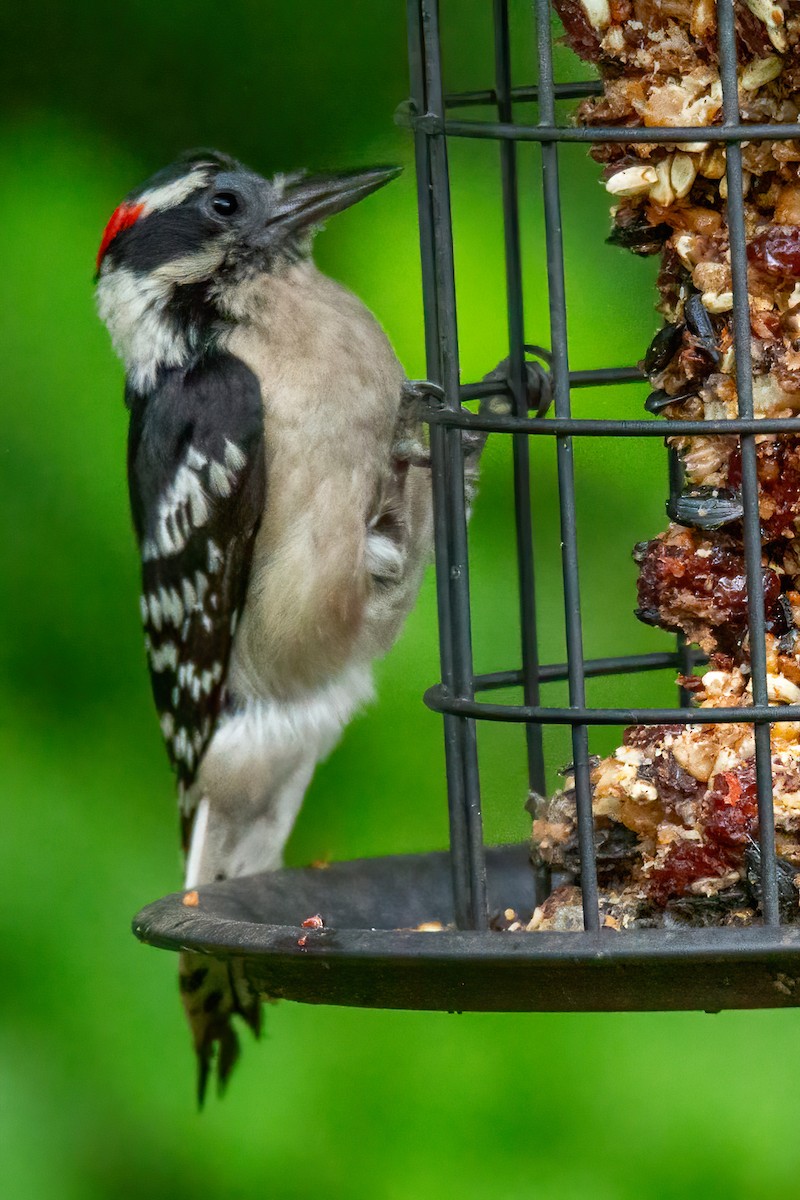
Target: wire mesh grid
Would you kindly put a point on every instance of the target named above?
(457, 696)
(371, 948)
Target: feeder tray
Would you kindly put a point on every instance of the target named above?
(369, 951)
(370, 954)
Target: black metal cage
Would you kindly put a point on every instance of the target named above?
(369, 952)
(455, 696)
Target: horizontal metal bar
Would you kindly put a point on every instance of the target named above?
(483, 389)
(437, 699)
(525, 95)
(597, 377)
(602, 376)
(497, 130)
(595, 427)
(624, 664)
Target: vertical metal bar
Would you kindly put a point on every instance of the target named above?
(675, 475)
(447, 456)
(518, 382)
(751, 520)
(566, 469)
(682, 646)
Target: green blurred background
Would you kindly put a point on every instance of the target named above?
(96, 1083)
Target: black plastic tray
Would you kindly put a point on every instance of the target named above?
(369, 954)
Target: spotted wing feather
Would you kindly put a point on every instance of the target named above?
(197, 480)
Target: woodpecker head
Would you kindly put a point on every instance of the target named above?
(193, 230)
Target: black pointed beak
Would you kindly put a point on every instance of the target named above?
(310, 199)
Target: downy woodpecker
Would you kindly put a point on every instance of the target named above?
(281, 502)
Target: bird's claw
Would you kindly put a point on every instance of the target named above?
(539, 385)
(415, 391)
(408, 446)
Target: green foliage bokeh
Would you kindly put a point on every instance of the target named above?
(96, 1075)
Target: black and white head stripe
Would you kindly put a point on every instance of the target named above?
(166, 220)
(206, 196)
(165, 190)
(161, 251)
(197, 481)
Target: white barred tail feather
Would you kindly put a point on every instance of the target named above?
(212, 993)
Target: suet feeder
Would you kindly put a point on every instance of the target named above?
(372, 948)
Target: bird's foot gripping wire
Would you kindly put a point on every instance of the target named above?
(409, 447)
(538, 391)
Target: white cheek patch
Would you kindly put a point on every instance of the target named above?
(132, 308)
(191, 268)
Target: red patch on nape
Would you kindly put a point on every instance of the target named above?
(122, 218)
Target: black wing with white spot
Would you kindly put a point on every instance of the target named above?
(196, 474)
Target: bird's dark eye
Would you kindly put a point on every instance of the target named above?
(225, 203)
